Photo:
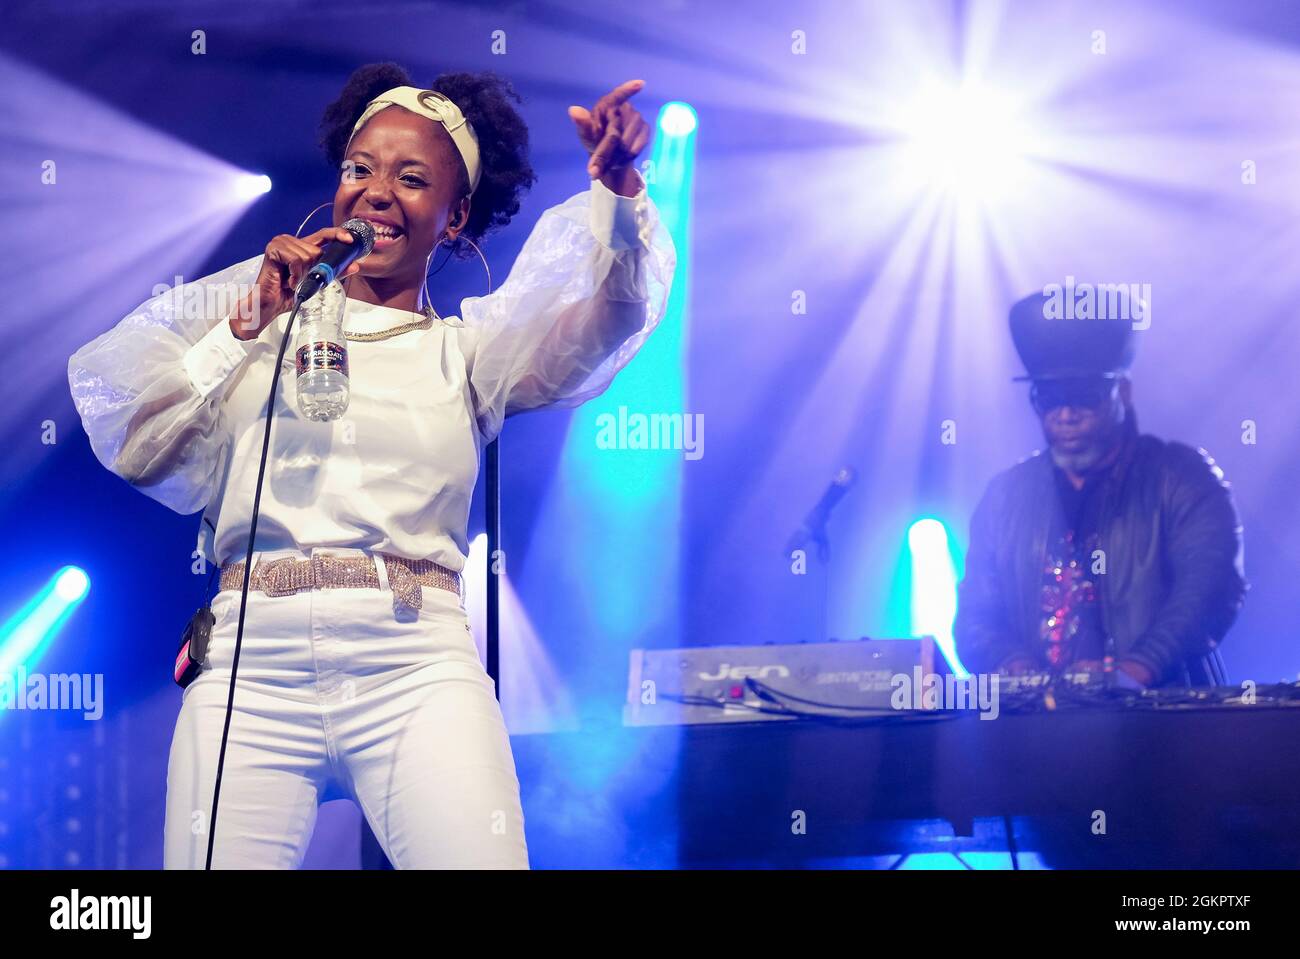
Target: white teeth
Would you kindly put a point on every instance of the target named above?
(382, 229)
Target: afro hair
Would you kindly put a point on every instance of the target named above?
(487, 100)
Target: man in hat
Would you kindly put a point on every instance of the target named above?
(1112, 550)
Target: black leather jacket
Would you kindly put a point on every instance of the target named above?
(1174, 578)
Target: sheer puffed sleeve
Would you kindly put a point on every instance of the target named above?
(589, 286)
(149, 390)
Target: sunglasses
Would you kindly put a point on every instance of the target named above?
(1091, 393)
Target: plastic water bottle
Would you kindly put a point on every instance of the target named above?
(322, 355)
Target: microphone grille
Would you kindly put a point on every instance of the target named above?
(363, 232)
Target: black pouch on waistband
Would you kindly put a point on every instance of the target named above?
(193, 652)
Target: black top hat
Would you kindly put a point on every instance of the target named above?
(1053, 347)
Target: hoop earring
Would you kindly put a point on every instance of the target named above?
(428, 303)
(483, 260)
(312, 214)
(443, 242)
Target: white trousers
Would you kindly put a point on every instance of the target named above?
(338, 695)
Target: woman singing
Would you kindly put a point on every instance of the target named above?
(358, 675)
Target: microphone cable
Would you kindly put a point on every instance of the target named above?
(324, 272)
(248, 572)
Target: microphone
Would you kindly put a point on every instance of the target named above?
(814, 524)
(338, 256)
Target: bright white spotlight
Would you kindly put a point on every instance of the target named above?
(934, 587)
(251, 185)
(677, 119)
(968, 140)
(72, 584)
(927, 536)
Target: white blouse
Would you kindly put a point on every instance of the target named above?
(173, 403)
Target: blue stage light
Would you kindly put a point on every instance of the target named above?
(934, 587)
(618, 509)
(27, 633)
(931, 861)
(72, 584)
(677, 119)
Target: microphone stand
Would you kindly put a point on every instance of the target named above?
(822, 542)
(812, 532)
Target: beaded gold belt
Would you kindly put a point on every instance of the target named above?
(281, 577)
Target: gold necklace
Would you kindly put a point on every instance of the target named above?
(429, 314)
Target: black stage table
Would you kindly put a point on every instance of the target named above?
(1172, 787)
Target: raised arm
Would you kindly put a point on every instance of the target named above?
(589, 286)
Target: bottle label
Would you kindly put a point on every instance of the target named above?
(322, 355)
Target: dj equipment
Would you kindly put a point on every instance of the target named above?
(1039, 682)
(1184, 785)
(712, 684)
(1186, 778)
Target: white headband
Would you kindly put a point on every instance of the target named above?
(435, 106)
